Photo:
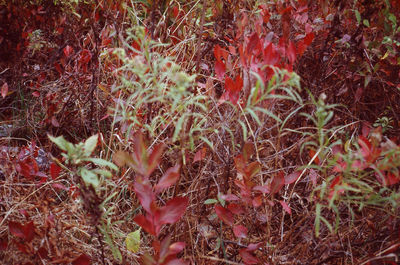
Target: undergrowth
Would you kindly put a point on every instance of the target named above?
(174, 132)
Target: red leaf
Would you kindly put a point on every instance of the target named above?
(248, 151)
(337, 149)
(168, 179)
(36, 94)
(251, 170)
(220, 53)
(271, 55)
(365, 146)
(311, 154)
(301, 47)
(140, 154)
(24, 169)
(289, 179)
(265, 14)
(167, 252)
(83, 259)
(176, 262)
(25, 232)
(224, 214)
(233, 88)
(240, 231)
(42, 252)
(54, 170)
(22, 247)
(29, 231)
(217, 52)
(257, 201)
(85, 56)
(154, 158)
(163, 247)
(240, 163)
(235, 208)
(254, 44)
(291, 52)
(243, 57)
(286, 207)
(145, 194)
(247, 257)
(335, 182)
(392, 179)
(263, 189)
(145, 223)
(200, 155)
(68, 50)
(172, 211)
(229, 197)
(309, 38)
(175, 248)
(16, 229)
(4, 90)
(277, 182)
(59, 186)
(254, 246)
(219, 69)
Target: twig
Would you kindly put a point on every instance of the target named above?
(200, 35)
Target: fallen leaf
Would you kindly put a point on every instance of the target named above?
(240, 231)
(289, 179)
(4, 90)
(83, 259)
(224, 214)
(132, 241)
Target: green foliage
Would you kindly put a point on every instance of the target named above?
(154, 93)
(133, 240)
(355, 174)
(78, 154)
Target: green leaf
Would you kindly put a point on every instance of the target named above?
(90, 144)
(358, 16)
(132, 241)
(366, 23)
(254, 115)
(178, 128)
(60, 142)
(317, 222)
(205, 140)
(210, 201)
(268, 113)
(102, 172)
(101, 162)
(110, 242)
(89, 177)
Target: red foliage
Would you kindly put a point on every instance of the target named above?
(83, 259)
(25, 232)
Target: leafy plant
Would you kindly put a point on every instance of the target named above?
(152, 93)
(90, 180)
(144, 163)
(78, 154)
